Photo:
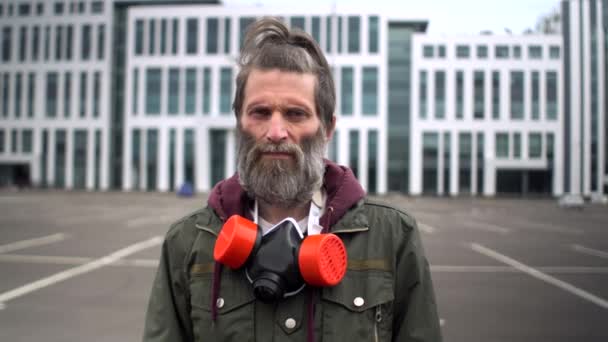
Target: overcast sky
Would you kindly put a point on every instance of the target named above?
(445, 16)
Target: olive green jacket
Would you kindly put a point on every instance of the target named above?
(386, 294)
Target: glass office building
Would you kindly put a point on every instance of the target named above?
(136, 96)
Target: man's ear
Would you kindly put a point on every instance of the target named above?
(331, 128)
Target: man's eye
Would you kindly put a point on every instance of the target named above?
(296, 114)
(260, 111)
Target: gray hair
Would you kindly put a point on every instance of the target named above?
(269, 44)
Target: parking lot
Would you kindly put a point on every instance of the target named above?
(78, 266)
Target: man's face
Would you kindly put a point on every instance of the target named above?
(281, 138)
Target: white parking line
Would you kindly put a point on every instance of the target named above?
(78, 270)
(509, 269)
(590, 251)
(63, 260)
(425, 228)
(488, 226)
(45, 240)
(540, 275)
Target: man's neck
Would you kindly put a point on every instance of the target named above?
(274, 214)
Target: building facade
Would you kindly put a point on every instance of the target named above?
(136, 96)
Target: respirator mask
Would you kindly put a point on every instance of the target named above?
(281, 262)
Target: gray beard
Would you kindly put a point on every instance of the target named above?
(281, 183)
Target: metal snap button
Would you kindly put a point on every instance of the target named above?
(359, 302)
(219, 303)
(290, 323)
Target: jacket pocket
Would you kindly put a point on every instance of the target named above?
(359, 308)
(234, 320)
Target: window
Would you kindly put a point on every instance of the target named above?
(81, 8)
(347, 91)
(24, 9)
(225, 90)
(227, 35)
(151, 158)
(163, 36)
(206, 90)
(340, 34)
(83, 94)
(97, 7)
(535, 52)
(354, 28)
(31, 92)
(372, 161)
(47, 43)
(482, 51)
(85, 42)
(496, 95)
(151, 37)
(517, 52)
(328, 34)
(101, 41)
(190, 91)
(316, 29)
(374, 33)
(23, 43)
(97, 160)
(18, 94)
(135, 91)
(478, 97)
(517, 95)
(80, 159)
(465, 162)
(40, 8)
(430, 162)
(297, 22)
(370, 91)
(502, 145)
(217, 151)
(535, 145)
(212, 32)
(67, 94)
(480, 160)
(153, 85)
(139, 37)
(535, 95)
(459, 94)
(192, 35)
(35, 42)
(58, 42)
(60, 157)
(172, 159)
(447, 153)
(463, 51)
(58, 8)
(14, 143)
(441, 53)
(423, 94)
(440, 94)
(551, 79)
(50, 95)
(6, 43)
(189, 146)
(428, 51)
(353, 152)
(501, 51)
(96, 93)
(174, 36)
(554, 52)
(5, 91)
(333, 147)
(136, 157)
(550, 148)
(173, 86)
(244, 23)
(68, 42)
(2, 147)
(517, 145)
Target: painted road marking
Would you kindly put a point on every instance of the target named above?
(590, 251)
(63, 260)
(82, 269)
(551, 228)
(509, 269)
(441, 322)
(164, 220)
(425, 228)
(45, 240)
(489, 227)
(540, 275)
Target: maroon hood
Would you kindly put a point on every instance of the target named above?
(343, 192)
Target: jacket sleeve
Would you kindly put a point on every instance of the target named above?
(415, 315)
(167, 317)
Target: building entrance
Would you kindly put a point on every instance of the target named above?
(15, 175)
(524, 182)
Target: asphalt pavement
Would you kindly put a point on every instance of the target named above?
(78, 266)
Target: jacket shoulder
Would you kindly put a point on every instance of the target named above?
(380, 210)
(183, 232)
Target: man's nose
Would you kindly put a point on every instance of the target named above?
(277, 131)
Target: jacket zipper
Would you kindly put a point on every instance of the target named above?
(377, 320)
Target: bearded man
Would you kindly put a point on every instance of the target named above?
(284, 106)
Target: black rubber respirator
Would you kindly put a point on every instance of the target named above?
(281, 262)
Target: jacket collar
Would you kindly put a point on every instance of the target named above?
(343, 192)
